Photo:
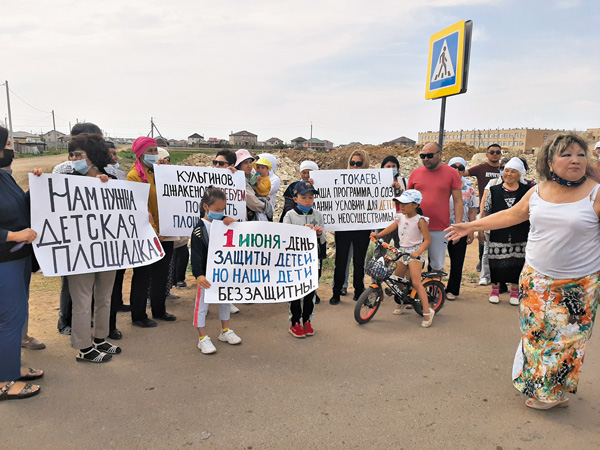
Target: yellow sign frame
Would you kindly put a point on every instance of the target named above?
(457, 87)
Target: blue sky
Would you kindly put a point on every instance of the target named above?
(356, 69)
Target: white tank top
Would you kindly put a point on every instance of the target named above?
(408, 230)
(564, 239)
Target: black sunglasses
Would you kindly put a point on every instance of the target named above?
(460, 167)
(495, 152)
(219, 163)
(356, 163)
(428, 155)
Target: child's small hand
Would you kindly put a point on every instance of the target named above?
(258, 178)
(318, 229)
(37, 172)
(203, 282)
(228, 220)
(415, 255)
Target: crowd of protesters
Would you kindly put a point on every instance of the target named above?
(557, 294)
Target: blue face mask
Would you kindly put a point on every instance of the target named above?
(150, 159)
(304, 209)
(116, 166)
(395, 172)
(212, 215)
(81, 166)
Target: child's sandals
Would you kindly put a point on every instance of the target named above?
(427, 323)
(399, 310)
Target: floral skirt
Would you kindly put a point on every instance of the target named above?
(556, 317)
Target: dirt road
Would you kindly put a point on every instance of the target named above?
(386, 384)
(22, 166)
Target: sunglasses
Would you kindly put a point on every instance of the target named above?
(219, 163)
(428, 155)
(356, 163)
(495, 152)
(460, 167)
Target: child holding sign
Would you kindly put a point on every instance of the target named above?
(304, 214)
(212, 207)
(414, 239)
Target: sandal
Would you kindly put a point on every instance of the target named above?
(427, 323)
(32, 374)
(107, 347)
(94, 356)
(27, 390)
(536, 404)
(399, 310)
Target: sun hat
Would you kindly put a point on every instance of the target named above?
(264, 162)
(410, 196)
(271, 158)
(242, 155)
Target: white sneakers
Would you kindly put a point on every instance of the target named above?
(514, 301)
(484, 282)
(494, 299)
(230, 337)
(206, 346)
(234, 309)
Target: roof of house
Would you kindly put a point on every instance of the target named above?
(299, 139)
(243, 133)
(402, 139)
(274, 139)
(195, 135)
(315, 141)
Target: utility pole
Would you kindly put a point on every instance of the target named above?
(310, 146)
(151, 127)
(10, 128)
(55, 136)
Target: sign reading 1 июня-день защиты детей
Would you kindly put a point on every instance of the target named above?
(261, 262)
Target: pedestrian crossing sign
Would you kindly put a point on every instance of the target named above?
(448, 66)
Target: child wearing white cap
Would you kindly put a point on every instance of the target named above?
(414, 239)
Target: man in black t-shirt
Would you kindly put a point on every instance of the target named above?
(485, 173)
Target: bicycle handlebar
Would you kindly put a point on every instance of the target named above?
(389, 247)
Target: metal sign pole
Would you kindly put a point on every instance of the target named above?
(442, 116)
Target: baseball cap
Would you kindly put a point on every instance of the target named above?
(304, 187)
(410, 196)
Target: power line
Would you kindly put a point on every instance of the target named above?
(31, 106)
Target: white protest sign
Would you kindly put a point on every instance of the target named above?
(261, 262)
(84, 225)
(179, 190)
(353, 199)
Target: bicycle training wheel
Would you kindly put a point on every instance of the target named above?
(436, 295)
(367, 305)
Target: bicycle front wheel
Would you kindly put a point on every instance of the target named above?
(367, 305)
(436, 296)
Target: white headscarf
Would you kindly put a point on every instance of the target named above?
(516, 164)
(310, 165)
(459, 160)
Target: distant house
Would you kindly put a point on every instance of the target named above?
(243, 138)
(273, 142)
(314, 144)
(328, 144)
(298, 142)
(194, 139)
(403, 140)
(216, 141)
(56, 136)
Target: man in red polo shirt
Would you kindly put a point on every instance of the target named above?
(437, 182)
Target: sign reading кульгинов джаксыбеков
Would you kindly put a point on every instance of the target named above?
(261, 262)
(352, 199)
(84, 225)
(179, 190)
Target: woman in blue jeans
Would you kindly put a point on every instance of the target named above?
(15, 274)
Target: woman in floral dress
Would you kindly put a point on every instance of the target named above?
(560, 283)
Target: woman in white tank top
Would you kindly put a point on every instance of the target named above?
(559, 287)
